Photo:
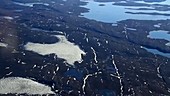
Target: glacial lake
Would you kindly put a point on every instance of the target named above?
(110, 13)
(154, 51)
(159, 34)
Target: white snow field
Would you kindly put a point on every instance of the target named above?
(20, 85)
(63, 49)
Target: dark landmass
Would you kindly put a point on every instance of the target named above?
(129, 0)
(140, 73)
(101, 4)
(154, 0)
(148, 13)
(140, 8)
(158, 7)
(130, 3)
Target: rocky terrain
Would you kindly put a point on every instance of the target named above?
(114, 62)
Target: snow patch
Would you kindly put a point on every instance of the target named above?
(157, 25)
(63, 49)
(7, 17)
(22, 85)
(3, 45)
(30, 4)
(168, 44)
